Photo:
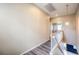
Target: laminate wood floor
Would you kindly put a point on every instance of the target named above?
(43, 49)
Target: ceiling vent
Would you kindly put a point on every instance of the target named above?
(50, 7)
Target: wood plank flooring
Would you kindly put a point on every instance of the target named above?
(43, 49)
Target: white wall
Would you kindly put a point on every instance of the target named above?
(77, 29)
(22, 27)
(70, 30)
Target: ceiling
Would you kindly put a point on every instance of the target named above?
(58, 9)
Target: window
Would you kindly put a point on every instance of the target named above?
(59, 27)
(56, 27)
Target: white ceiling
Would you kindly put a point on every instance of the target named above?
(60, 9)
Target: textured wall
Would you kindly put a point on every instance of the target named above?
(77, 29)
(22, 27)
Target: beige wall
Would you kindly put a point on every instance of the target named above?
(77, 28)
(22, 27)
(70, 30)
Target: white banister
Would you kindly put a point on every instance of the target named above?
(56, 39)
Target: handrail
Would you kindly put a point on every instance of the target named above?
(56, 42)
(59, 46)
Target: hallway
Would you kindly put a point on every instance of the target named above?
(26, 26)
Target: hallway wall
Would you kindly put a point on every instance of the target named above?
(77, 29)
(69, 30)
(22, 27)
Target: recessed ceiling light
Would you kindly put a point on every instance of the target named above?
(67, 23)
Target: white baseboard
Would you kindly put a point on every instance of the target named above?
(33, 47)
